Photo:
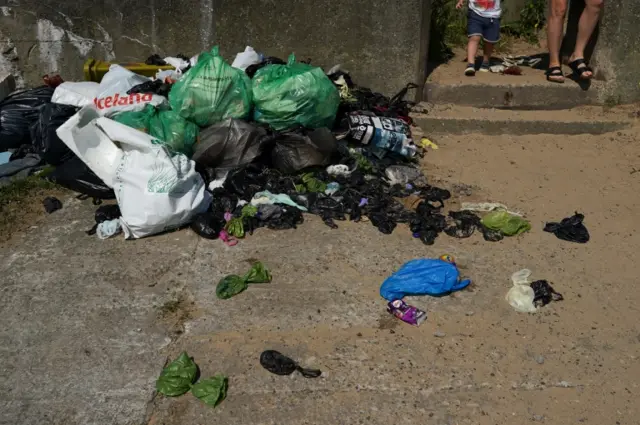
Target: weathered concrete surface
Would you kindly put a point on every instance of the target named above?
(617, 51)
(455, 119)
(7, 85)
(378, 42)
(87, 324)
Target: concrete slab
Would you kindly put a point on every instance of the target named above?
(453, 119)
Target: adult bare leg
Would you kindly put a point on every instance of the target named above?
(555, 25)
(587, 24)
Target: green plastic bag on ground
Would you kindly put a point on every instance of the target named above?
(508, 224)
(233, 285)
(211, 91)
(136, 119)
(292, 95)
(176, 133)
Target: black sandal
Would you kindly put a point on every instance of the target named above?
(555, 71)
(578, 71)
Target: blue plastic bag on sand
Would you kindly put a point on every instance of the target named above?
(423, 277)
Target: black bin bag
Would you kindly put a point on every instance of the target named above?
(18, 112)
(227, 145)
(75, 175)
(296, 150)
(45, 141)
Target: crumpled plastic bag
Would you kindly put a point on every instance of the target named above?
(295, 94)
(18, 112)
(508, 224)
(570, 229)
(521, 295)
(46, 142)
(171, 130)
(296, 150)
(212, 91)
(232, 285)
(226, 145)
(282, 365)
(423, 277)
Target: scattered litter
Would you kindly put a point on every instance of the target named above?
(180, 376)
(521, 295)
(400, 174)
(232, 285)
(439, 334)
(104, 213)
(108, 229)
(423, 277)
(338, 170)
(51, 204)
(296, 150)
(267, 197)
(540, 359)
(570, 229)
(247, 58)
(407, 313)
(487, 207)
(207, 225)
(512, 70)
(544, 293)
(390, 134)
(506, 223)
(426, 143)
(497, 69)
(280, 364)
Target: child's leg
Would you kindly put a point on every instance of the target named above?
(488, 50)
(472, 48)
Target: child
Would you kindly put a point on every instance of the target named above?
(483, 21)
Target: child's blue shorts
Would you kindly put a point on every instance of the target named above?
(488, 28)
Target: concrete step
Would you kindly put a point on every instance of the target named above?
(542, 96)
(455, 119)
(448, 84)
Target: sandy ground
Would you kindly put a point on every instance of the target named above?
(84, 341)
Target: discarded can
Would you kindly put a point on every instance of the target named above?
(407, 313)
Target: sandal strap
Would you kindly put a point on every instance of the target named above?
(575, 66)
(555, 71)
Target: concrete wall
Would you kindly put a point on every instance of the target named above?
(616, 57)
(379, 41)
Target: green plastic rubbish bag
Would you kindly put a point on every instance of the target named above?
(508, 224)
(232, 285)
(292, 95)
(137, 119)
(176, 133)
(212, 91)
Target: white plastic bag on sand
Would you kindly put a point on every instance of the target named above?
(245, 59)
(156, 191)
(521, 295)
(112, 95)
(76, 94)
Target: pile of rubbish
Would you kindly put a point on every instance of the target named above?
(232, 148)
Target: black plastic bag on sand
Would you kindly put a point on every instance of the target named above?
(18, 112)
(544, 293)
(105, 213)
(51, 204)
(75, 175)
(208, 225)
(45, 141)
(282, 365)
(227, 145)
(570, 229)
(296, 150)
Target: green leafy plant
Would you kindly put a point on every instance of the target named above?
(179, 376)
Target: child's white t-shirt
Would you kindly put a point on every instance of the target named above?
(486, 8)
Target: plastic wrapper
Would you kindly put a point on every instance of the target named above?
(232, 285)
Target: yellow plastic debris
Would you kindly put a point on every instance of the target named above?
(426, 143)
